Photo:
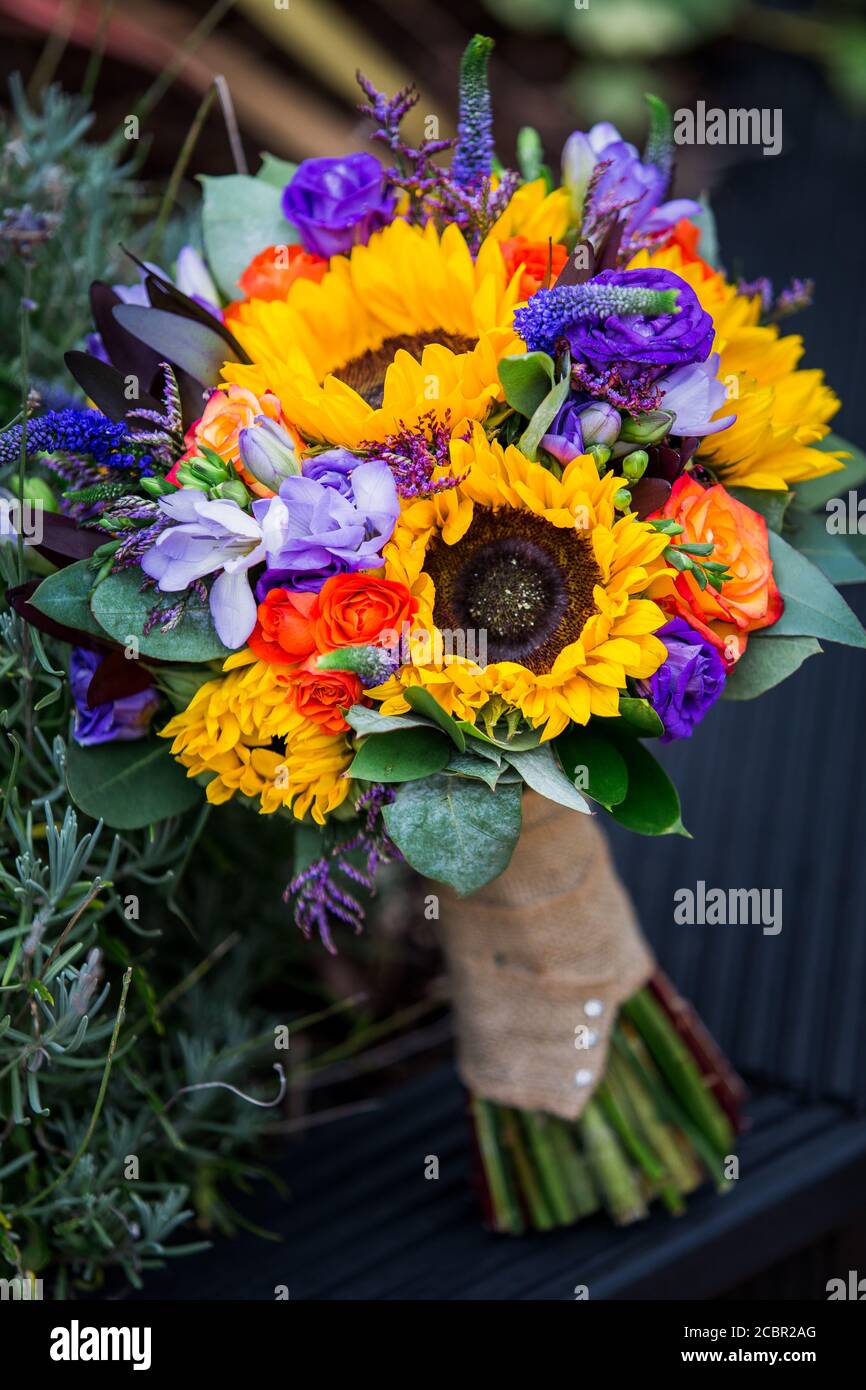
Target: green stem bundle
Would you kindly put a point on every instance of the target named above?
(653, 1131)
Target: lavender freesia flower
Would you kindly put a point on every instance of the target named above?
(312, 531)
(694, 393)
(628, 183)
(338, 203)
(210, 536)
(114, 720)
(687, 683)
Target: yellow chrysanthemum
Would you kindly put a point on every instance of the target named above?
(228, 730)
(406, 325)
(782, 412)
(544, 572)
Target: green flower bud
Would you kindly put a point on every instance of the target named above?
(647, 428)
(233, 491)
(634, 465)
(622, 499)
(601, 454)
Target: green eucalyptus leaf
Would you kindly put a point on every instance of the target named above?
(401, 756)
(526, 379)
(813, 493)
(422, 702)
(541, 770)
(769, 503)
(129, 785)
(455, 829)
(829, 550)
(766, 662)
(518, 743)
(240, 217)
(594, 763)
(813, 608)
(542, 417)
(471, 765)
(65, 597)
(651, 806)
(275, 171)
(369, 721)
(639, 717)
(122, 610)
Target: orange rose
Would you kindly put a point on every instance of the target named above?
(273, 271)
(284, 631)
(229, 410)
(356, 609)
(542, 262)
(322, 695)
(749, 599)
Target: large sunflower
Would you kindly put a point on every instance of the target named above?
(782, 411)
(404, 325)
(545, 571)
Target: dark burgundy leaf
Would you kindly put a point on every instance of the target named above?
(64, 541)
(649, 496)
(105, 385)
(608, 252)
(130, 356)
(571, 273)
(163, 295)
(115, 678)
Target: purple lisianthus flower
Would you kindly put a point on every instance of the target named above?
(209, 536)
(694, 393)
(667, 339)
(312, 531)
(114, 720)
(333, 467)
(579, 423)
(628, 183)
(338, 203)
(687, 683)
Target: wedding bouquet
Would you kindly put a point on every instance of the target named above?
(413, 510)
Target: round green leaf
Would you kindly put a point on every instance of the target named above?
(401, 756)
(129, 785)
(640, 717)
(651, 805)
(456, 829)
(605, 778)
(120, 607)
(65, 597)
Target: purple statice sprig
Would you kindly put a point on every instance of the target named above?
(633, 394)
(414, 453)
(435, 193)
(320, 901)
(798, 295)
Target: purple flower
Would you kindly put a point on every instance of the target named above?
(688, 683)
(338, 203)
(312, 531)
(333, 467)
(578, 424)
(694, 394)
(628, 183)
(210, 536)
(113, 721)
(666, 339)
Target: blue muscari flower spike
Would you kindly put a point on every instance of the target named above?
(83, 433)
(547, 317)
(473, 155)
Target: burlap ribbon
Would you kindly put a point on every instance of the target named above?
(540, 960)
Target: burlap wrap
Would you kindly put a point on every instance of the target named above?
(551, 944)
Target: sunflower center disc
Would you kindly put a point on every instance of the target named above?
(527, 585)
(366, 374)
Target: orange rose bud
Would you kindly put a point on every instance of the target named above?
(542, 262)
(284, 632)
(323, 695)
(358, 609)
(750, 598)
(271, 274)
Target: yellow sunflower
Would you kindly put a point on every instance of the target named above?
(241, 731)
(529, 590)
(782, 412)
(403, 326)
